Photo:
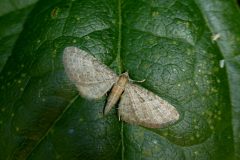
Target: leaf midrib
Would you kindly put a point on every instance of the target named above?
(53, 124)
(119, 62)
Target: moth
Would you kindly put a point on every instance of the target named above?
(137, 105)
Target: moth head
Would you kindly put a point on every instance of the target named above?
(125, 74)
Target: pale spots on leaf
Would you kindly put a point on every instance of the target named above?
(74, 41)
(165, 133)
(196, 153)
(196, 127)
(3, 109)
(19, 81)
(212, 127)
(155, 142)
(221, 63)
(155, 13)
(192, 138)
(87, 37)
(219, 112)
(23, 75)
(216, 37)
(71, 131)
(81, 120)
(197, 135)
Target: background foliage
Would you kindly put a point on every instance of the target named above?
(168, 43)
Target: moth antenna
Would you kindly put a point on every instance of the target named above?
(131, 80)
(141, 81)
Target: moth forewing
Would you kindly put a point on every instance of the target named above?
(142, 107)
(92, 78)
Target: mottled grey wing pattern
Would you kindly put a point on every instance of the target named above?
(142, 107)
(92, 78)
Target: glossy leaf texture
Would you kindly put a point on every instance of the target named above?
(176, 46)
(12, 18)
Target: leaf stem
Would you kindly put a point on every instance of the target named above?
(123, 149)
(119, 62)
(119, 41)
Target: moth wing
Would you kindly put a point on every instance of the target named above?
(92, 78)
(142, 107)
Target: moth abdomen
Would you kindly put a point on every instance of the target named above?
(116, 92)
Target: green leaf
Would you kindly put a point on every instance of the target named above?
(168, 43)
(12, 17)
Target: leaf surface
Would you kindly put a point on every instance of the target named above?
(170, 44)
(12, 17)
